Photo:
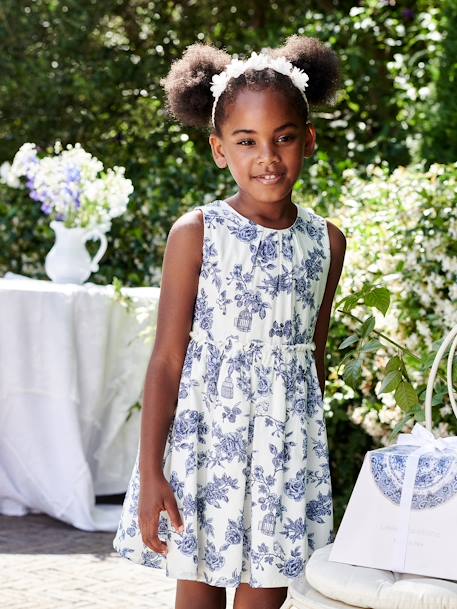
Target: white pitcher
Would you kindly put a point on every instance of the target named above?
(68, 260)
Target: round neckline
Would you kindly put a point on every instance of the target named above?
(261, 226)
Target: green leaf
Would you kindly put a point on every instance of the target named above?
(349, 302)
(349, 340)
(427, 359)
(378, 298)
(393, 364)
(390, 381)
(371, 345)
(439, 393)
(352, 373)
(368, 326)
(419, 413)
(405, 396)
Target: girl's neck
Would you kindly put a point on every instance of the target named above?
(277, 214)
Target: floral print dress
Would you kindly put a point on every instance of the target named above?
(246, 453)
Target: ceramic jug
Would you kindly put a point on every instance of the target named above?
(68, 260)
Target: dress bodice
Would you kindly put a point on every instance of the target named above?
(260, 283)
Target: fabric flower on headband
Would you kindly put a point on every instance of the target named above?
(257, 61)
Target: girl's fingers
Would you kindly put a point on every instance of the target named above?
(173, 513)
(149, 533)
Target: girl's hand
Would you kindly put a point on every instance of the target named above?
(157, 496)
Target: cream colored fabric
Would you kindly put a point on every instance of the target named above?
(303, 596)
(374, 588)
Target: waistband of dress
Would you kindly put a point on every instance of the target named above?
(201, 337)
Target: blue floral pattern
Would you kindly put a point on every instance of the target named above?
(436, 477)
(246, 453)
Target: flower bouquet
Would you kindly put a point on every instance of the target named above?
(79, 196)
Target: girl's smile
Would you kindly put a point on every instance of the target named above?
(264, 143)
(270, 178)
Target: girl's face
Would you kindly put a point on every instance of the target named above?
(263, 135)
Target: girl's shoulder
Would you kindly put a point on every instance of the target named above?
(194, 218)
(198, 219)
(210, 206)
(213, 213)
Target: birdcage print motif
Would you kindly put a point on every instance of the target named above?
(253, 506)
(268, 524)
(244, 320)
(227, 388)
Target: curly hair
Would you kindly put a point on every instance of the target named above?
(187, 85)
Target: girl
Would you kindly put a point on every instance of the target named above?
(231, 487)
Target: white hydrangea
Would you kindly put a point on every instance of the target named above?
(25, 161)
(8, 177)
(73, 186)
(445, 410)
(390, 415)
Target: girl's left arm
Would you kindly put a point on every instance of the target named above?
(337, 253)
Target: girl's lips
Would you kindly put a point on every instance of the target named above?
(277, 179)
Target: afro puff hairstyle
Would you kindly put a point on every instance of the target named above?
(189, 99)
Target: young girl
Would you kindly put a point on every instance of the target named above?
(231, 487)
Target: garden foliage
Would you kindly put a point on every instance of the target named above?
(383, 170)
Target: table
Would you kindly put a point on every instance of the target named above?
(71, 367)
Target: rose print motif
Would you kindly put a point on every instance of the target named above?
(295, 487)
(246, 452)
(266, 253)
(187, 544)
(246, 233)
(213, 558)
(203, 313)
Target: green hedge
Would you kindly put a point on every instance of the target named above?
(89, 72)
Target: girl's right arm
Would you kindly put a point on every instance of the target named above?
(180, 273)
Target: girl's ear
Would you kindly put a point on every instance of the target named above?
(217, 151)
(310, 140)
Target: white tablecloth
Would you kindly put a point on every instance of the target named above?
(71, 366)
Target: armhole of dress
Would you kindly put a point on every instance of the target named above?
(202, 209)
(327, 238)
(328, 258)
(326, 241)
(328, 255)
(326, 248)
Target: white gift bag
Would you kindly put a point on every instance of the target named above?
(402, 514)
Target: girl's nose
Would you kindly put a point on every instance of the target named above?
(268, 153)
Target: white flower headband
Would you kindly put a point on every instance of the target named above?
(257, 61)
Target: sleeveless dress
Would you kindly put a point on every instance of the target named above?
(246, 453)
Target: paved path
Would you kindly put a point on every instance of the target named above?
(47, 564)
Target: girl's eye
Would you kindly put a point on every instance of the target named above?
(290, 137)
